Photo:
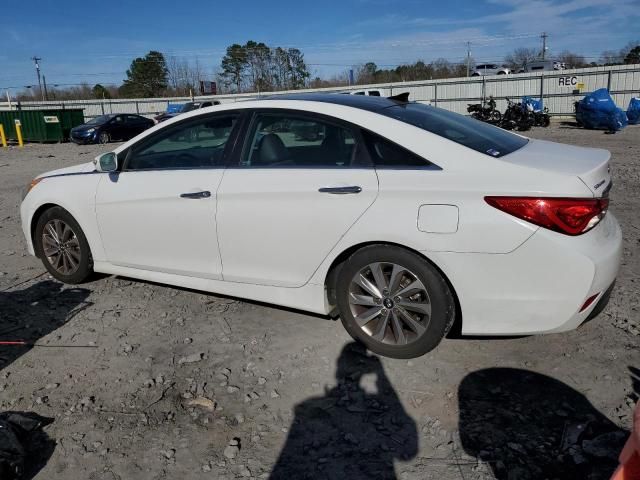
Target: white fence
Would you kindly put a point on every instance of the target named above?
(559, 90)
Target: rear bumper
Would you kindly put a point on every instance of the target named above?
(538, 288)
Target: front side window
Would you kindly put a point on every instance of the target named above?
(194, 144)
(471, 133)
(292, 141)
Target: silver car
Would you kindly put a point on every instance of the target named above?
(490, 69)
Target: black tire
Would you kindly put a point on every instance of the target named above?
(85, 263)
(442, 304)
(104, 138)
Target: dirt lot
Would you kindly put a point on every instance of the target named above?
(157, 382)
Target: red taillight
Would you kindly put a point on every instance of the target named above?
(588, 302)
(571, 216)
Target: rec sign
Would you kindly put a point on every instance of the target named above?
(568, 81)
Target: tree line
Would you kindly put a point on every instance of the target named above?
(257, 67)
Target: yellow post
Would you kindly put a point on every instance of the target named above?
(3, 138)
(19, 132)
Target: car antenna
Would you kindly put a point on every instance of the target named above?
(401, 97)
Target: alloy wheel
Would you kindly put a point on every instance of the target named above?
(390, 303)
(61, 247)
(104, 138)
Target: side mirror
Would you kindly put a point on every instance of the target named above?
(107, 162)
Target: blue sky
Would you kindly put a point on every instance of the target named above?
(96, 41)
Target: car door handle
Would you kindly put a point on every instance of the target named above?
(203, 194)
(341, 190)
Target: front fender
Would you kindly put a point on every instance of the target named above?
(76, 194)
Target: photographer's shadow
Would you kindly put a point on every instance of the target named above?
(349, 432)
(28, 315)
(34, 312)
(530, 426)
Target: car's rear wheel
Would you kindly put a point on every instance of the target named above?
(104, 138)
(394, 301)
(62, 246)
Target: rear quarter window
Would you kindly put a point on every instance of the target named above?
(471, 133)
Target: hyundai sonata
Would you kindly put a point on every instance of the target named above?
(400, 217)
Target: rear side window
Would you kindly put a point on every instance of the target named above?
(471, 133)
(386, 154)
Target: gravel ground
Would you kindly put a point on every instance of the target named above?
(154, 382)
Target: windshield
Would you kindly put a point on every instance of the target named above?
(99, 120)
(471, 133)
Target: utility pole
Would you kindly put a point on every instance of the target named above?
(36, 60)
(44, 84)
(544, 43)
(468, 57)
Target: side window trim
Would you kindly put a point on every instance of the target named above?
(133, 149)
(250, 125)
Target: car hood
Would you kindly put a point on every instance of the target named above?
(83, 168)
(84, 126)
(591, 165)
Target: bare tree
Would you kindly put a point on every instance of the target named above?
(366, 73)
(571, 59)
(337, 80)
(520, 57)
(611, 57)
(184, 77)
(442, 68)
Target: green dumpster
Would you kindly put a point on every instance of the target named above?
(41, 125)
(70, 118)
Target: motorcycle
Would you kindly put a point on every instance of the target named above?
(517, 116)
(485, 111)
(541, 117)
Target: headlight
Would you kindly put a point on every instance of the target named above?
(91, 130)
(29, 187)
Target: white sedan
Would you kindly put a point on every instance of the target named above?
(400, 217)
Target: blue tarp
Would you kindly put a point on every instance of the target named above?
(598, 110)
(174, 107)
(633, 112)
(536, 104)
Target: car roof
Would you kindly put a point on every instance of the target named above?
(363, 102)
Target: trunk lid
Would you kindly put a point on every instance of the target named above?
(590, 165)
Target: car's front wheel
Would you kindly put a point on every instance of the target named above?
(62, 246)
(104, 138)
(394, 301)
